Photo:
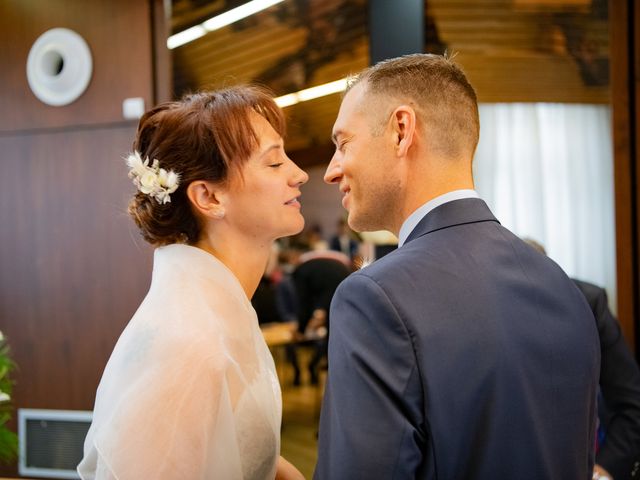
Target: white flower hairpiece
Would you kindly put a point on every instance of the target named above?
(152, 180)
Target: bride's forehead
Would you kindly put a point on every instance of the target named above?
(264, 131)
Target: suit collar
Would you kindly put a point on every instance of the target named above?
(410, 223)
(457, 212)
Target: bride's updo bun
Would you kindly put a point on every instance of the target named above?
(204, 136)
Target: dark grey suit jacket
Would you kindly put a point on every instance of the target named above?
(464, 354)
(620, 388)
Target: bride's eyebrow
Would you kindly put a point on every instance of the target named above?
(270, 148)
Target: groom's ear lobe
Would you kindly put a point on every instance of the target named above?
(403, 122)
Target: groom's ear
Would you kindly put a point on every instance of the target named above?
(403, 124)
(207, 198)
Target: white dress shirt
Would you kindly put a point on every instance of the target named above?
(421, 212)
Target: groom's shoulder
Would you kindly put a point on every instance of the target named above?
(399, 259)
(384, 270)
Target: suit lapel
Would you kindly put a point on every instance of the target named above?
(456, 212)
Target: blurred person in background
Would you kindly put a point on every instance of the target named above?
(344, 241)
(618, 447)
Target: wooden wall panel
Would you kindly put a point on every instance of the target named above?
(634, 67)
(161, 57)
(119, 36)
(634, 170)
(73, 268)
(625, 54)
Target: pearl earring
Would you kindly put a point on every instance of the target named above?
(219, 214)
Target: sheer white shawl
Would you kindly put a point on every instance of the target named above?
(190, 390)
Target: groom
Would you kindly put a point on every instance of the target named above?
(464, 353)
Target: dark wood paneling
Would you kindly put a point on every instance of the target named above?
(625, 120)
(73, 270)
(634, 173)
(119, 35)
(163, 80)
(73, 267)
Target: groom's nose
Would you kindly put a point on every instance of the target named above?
(334, 170)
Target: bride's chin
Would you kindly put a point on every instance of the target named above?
(294, 228)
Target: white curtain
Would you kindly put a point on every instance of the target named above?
(546, 171)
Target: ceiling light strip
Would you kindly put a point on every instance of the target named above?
(219, 21)
(311, 93)
(185, 36)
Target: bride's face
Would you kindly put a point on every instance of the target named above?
(265, 201)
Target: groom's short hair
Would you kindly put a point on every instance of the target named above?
(438, 90)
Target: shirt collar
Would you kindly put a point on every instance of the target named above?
(422, 211)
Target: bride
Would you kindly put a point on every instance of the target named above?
(190, 390)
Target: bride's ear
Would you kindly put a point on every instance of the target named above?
(207, 198)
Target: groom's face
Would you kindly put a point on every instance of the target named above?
(362, 164)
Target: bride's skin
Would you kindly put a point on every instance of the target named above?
(241, 219)
(286, 471)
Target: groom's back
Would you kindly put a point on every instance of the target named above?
(506, 350)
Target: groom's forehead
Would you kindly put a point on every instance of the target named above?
(354, 97)
(351, 109)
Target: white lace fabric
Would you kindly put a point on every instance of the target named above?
(190, 391)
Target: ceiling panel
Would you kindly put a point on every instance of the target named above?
(511, 50)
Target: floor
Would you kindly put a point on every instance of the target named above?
(300, 411)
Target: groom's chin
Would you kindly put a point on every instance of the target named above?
(363, 223)
(360, 227)
(353, 225)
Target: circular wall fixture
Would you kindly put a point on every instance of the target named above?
(59, 67)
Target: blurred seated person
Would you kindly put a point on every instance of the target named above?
(287, 303)
(618, 448)
(264, 300)
(315, 280)
(343, 241)
(286, 297)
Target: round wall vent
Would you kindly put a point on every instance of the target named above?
(59, 66)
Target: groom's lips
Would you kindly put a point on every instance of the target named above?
(294, 202)
(345, 192)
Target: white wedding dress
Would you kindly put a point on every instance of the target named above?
(190, 391)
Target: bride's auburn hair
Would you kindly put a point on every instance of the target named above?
(203, 136)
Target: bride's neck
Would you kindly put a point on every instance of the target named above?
(246, 258)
